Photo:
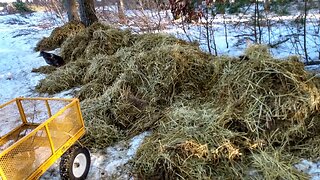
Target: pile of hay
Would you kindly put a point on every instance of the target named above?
(152, 69)
(58, 36)
(252, 110)
(94, 40)
(210, 116)
(136, 87)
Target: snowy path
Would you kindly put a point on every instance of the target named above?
(18, 36)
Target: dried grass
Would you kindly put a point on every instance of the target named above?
(58, 36)
(96, 39)
(250, 106)
(271, 165)
(67, 77)
(211, 116)
(44, 69)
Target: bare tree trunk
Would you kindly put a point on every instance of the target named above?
(72, 11)
(225, 31)
(305, 30)
(258, 23)
(121, 9)
(319, 30)
(87, 12)
(255, 21)
(36, 2)
(207, 30)
(267, 5)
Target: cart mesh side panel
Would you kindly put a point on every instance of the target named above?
(26, 157)
(9, 118)
(56, 105)
(65, 126)
(36, 111)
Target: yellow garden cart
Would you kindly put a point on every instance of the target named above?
(35, 132)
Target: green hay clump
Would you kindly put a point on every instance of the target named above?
(102, 73)
(64, 78)
(106, 69)
(96, 39)
(146, 42)
(98, 122)
(168, 70)
(74, 46)
(272, 165)
(58, 36)
(91, 90)
(117, 107)
(44, 69)
(109, 41)
(133, 113)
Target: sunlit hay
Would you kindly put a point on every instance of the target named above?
(226, 151)
(253, 145)
(273, 165)
(257, 52)
(146, 42)
(64, 78)
(44, 69)
(59, 35)
(192, 148)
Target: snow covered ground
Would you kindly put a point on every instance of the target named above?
(19, 35)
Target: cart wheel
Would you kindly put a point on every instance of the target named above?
(75, 163)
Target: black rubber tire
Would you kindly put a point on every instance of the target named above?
(67, 161)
